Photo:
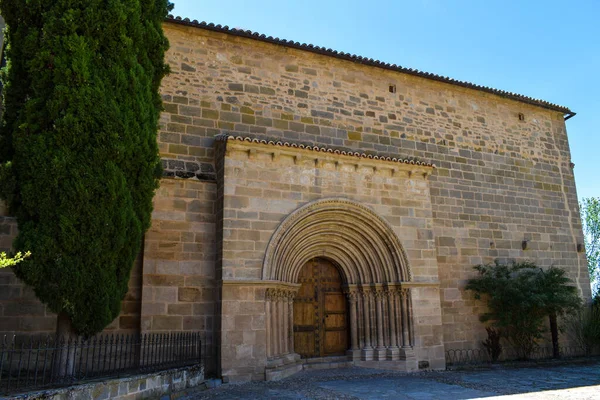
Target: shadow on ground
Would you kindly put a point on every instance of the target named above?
(569, 381)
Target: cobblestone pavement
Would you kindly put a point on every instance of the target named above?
(574, 381)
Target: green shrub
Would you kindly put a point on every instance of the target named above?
(583, 327)
(519, 297)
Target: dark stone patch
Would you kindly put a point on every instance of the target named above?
(180, 100)
(188, 68)
(251, 88)
(266, 90)
(176, 165)
(321, 114)
(236, 87)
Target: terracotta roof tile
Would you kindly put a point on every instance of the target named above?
(222, 137)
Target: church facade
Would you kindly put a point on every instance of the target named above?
(322, 207)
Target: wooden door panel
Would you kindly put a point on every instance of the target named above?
(304, 315)
(304, 344)
(335, 342)
(320, 321)
(335, 322)
(334, 302)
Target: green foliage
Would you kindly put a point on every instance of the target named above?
(78, 151)
(5, 261)
(583, 327)
(590, 218)
(519, 297)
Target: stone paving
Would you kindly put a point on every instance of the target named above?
(573, 381)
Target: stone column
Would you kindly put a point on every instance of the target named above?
(354, 351)
(291, 325)
(285, 300)
(404, 309)
(407, 352)
(360, 320)
(281, 320)
(380, 353)
(268, 321)
(367, 352)
(409, 317)
(393, 352)
(275, 324)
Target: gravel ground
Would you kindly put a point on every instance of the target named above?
(567, 381)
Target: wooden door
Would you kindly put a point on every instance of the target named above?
(320, 319)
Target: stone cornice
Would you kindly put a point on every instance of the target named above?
(262, 283)
(301, 151)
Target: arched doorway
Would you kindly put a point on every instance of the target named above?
(366, 252)
(320, 311)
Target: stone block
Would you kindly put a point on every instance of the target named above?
(190, 294)
(167, 323)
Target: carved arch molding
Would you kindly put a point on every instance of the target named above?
(373, 265)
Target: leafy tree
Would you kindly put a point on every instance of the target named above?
(556, 295)
(78, 154)
(511, 308)
(519, 297)
(5, 261)
(590, 218)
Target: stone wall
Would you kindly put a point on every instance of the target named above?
(178, 291)
(500, 180)
(20, 310)
(263, 185)
(171, 383)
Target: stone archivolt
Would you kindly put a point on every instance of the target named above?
(358, 240)
(373, 265)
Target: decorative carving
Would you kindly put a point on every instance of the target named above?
(255, 141)
(312, 225)
(352, 296)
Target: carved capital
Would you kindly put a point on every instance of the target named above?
(366, 293)
(352, 296)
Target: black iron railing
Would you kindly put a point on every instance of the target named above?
(30, 364)
(456, 357)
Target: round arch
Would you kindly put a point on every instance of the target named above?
(361, 243)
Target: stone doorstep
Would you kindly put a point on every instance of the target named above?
(283, 371)
(387, 365)
(328, 365)
(286, 359)
(280, 371)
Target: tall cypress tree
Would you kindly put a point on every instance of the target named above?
(78, 152)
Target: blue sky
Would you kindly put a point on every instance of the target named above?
(544, 49)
